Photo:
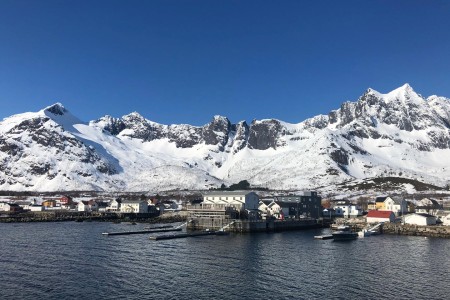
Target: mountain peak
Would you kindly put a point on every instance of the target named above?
(56, 109)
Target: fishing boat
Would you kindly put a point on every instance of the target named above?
(344, 233)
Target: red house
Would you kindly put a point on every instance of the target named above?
(376, 216)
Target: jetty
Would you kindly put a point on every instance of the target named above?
(141, 231)
(185, 235)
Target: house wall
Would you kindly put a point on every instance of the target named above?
(419, 220)
(378, 220)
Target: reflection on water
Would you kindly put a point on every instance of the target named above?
(74, 261)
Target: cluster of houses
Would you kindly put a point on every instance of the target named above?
(248, 205)
(393, 209)
(68, 204)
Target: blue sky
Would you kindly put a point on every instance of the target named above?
(184, 61)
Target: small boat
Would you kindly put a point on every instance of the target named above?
(344, 233)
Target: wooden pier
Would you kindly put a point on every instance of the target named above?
(185, 235)
(141, 231)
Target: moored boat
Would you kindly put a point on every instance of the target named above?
(344, 233)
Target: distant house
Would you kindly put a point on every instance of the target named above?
(420, 219)
(376, 216)
(134, 206)
(36, 207)
(24, 204)
(66, 202)
(49, 203)
(269, 208)
(5, 206)
(90, 205)
(394, 204)
(428, 206)
(410, 207)
(328, 213)
(114, 205)
(346, 209)
(446, 220)
(371, 205)
(102, 206)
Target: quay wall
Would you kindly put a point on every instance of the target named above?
(247, 226)
(416, 230)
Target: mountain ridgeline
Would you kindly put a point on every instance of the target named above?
(379, 135)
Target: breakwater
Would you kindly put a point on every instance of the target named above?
(62, 216)
(416, 230)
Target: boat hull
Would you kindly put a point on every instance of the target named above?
(344, 236)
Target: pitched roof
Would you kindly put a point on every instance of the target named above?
(379, 214)
(380, 199)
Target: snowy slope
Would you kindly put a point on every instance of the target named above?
(395, 134)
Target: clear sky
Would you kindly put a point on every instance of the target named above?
(184, 61)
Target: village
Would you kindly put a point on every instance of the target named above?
(244, 211)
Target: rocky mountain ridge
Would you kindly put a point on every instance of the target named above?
(395, 134)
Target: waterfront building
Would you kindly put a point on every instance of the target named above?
(376, 216)
(24, 204)
(240, 200)
(134, 206)
(90, 205)
(395, 204)
(420, 219)
(36, 207)
(346, 209)
(114, 205)
(270, 208)
(220, 208)
(5, 206)
(446, 219)
(302, 205)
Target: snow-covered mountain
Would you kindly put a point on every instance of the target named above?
(399, 134)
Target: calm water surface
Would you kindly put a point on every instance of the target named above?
(74, 261)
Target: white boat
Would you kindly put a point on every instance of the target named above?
(344, 233)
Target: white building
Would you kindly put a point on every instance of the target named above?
(446, 220)
(428, 206)
(271, 209)
(345, 209)
(420, 219)
(4, 206)
(90, 205)
(377, 216)
(240, 200)
(36, 207)
(396, 205)
(134, 206)
(114, 205)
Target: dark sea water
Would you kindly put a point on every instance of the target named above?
(74, 261)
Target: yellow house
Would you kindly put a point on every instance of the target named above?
(49, 203)
(380, 203)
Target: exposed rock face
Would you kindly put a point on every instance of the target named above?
(395, 133)
(265, 134)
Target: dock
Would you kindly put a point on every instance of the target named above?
(323, 237)
(141, 231)
(185, 235)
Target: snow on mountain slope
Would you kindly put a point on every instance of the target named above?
(395, 134)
